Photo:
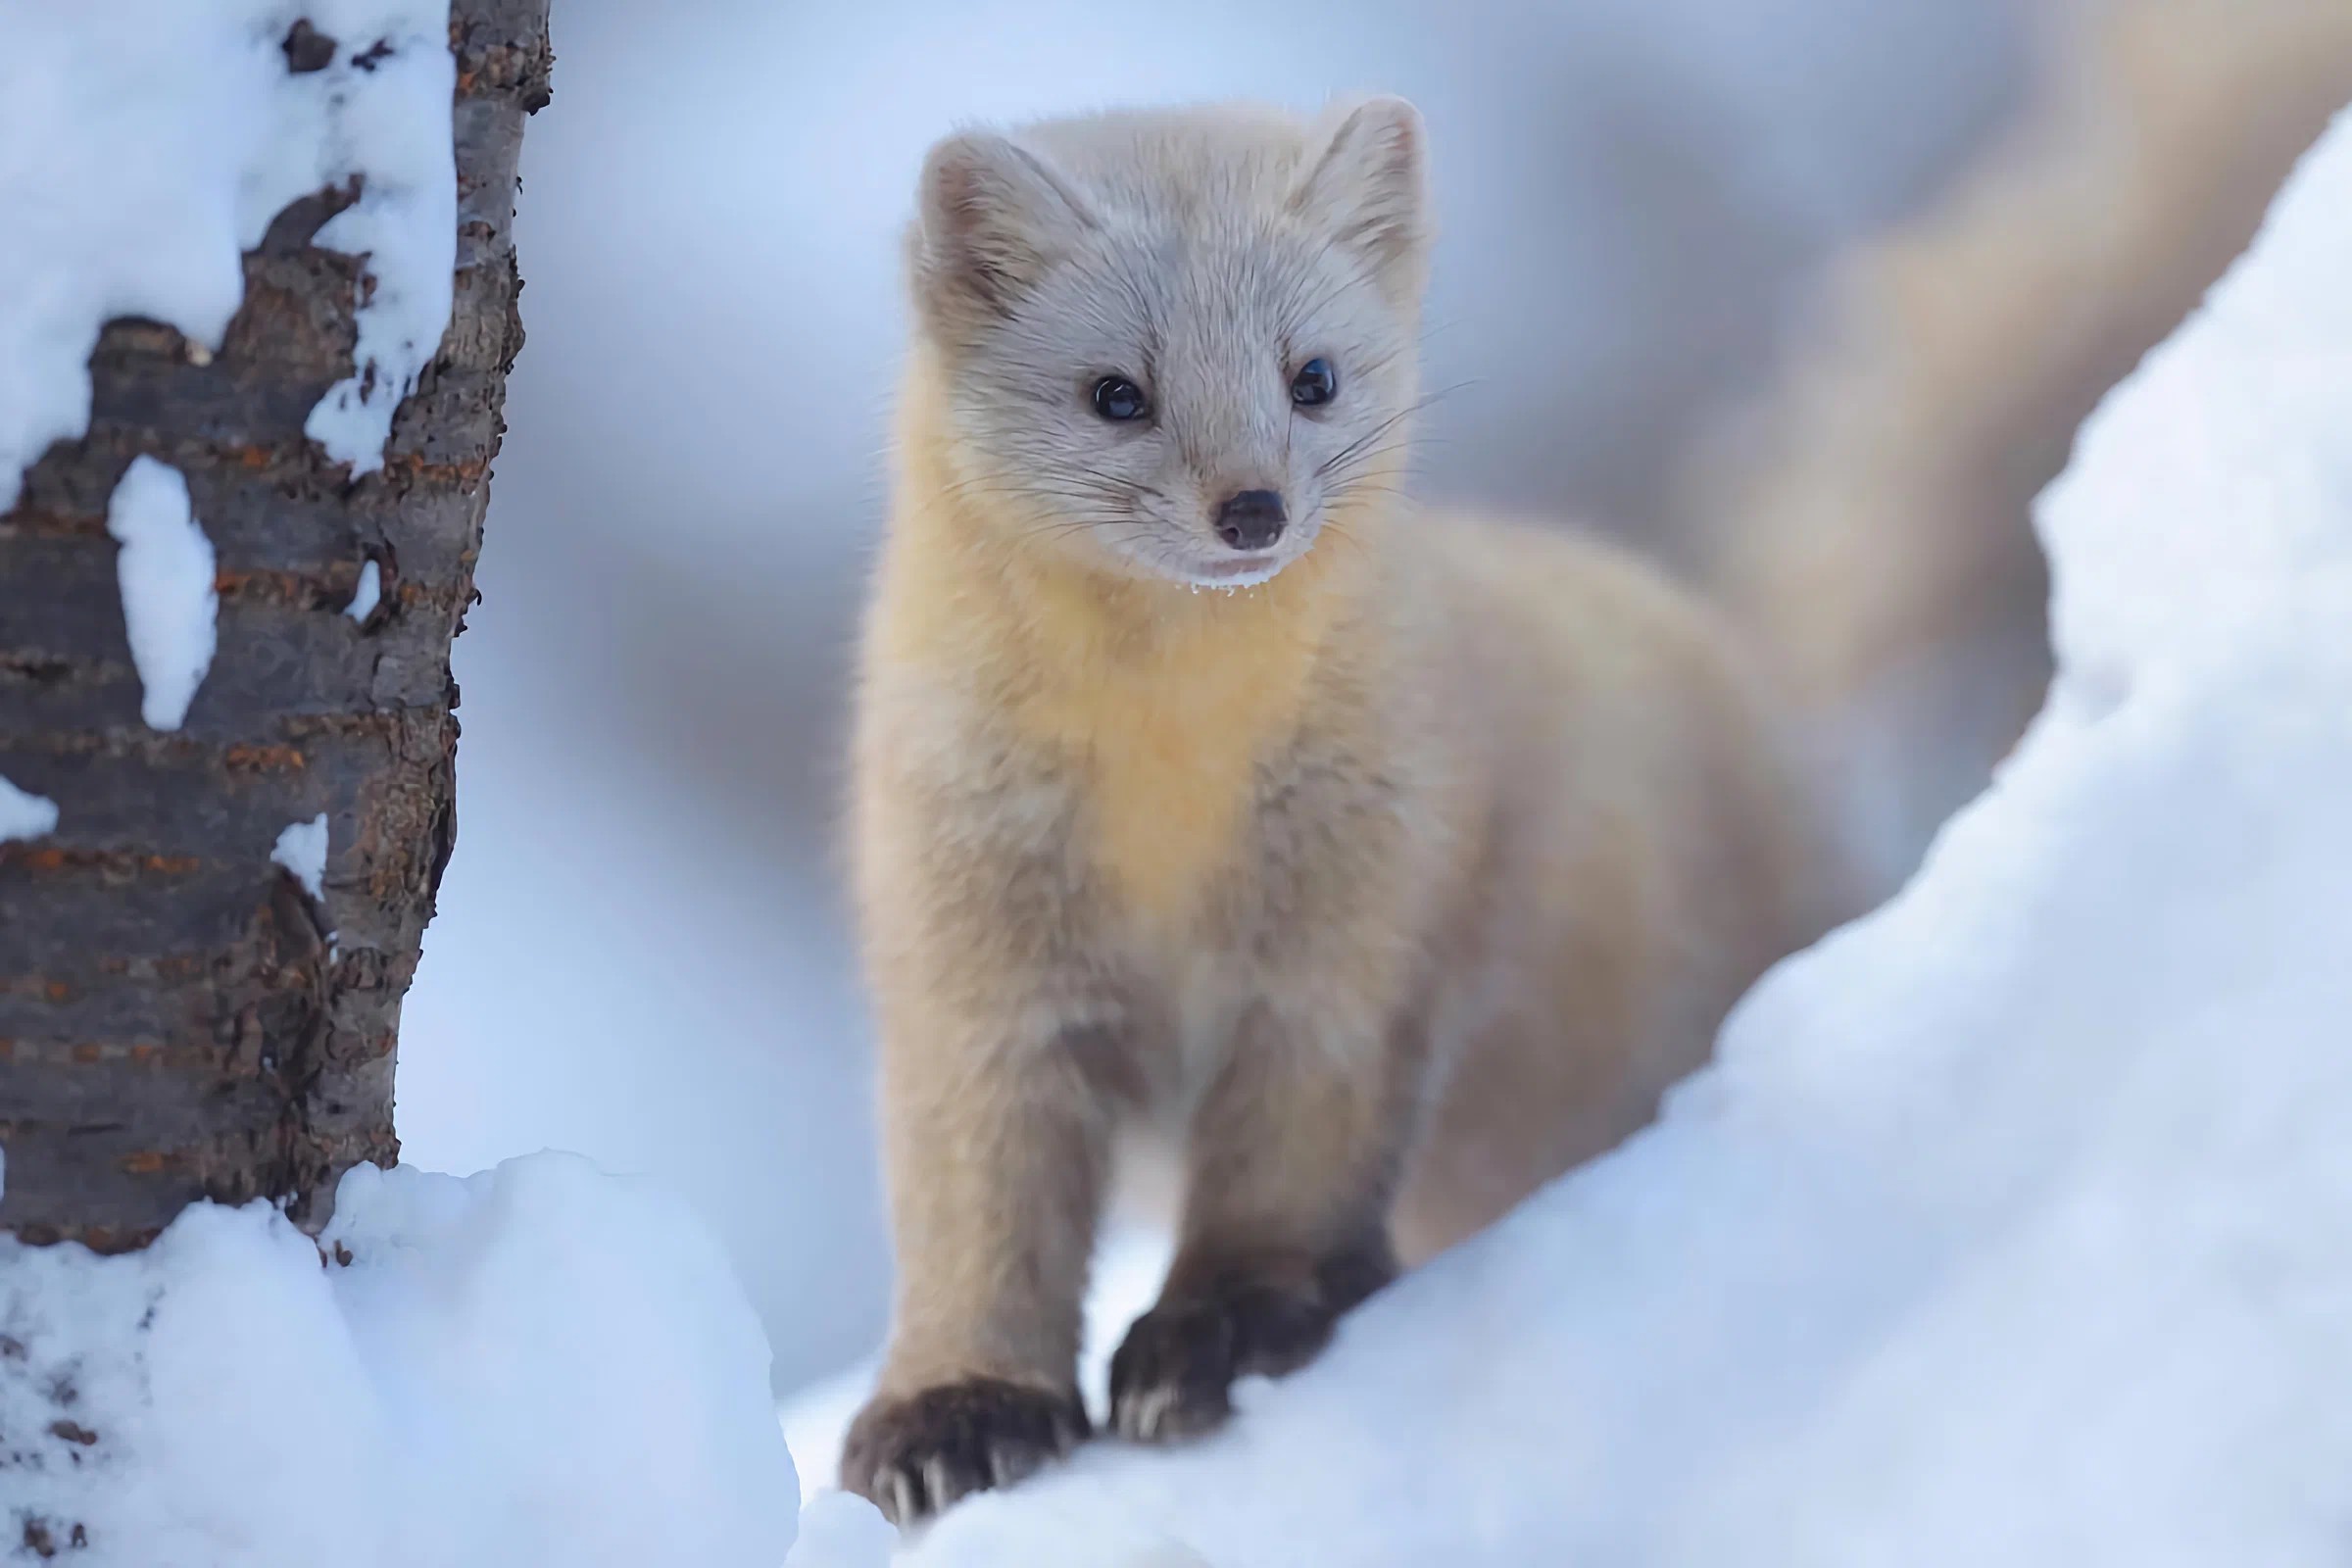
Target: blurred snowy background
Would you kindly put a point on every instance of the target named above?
(642, 953)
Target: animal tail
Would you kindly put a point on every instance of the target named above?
(1869, 517)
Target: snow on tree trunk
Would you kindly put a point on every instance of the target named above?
(199, 989)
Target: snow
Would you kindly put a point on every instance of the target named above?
(539, 1365)
(369, 593)
(396, 132)
(24, 814)
(2011, 1224)
(302, 850)
(170, 134)
(839, 1530)
(166, 570)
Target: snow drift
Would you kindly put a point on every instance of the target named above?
(540, 1365)
(2014, 1223)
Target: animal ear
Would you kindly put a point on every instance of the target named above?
(992, 219)
(1370, 183)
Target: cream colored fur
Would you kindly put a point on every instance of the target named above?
(1387, 888)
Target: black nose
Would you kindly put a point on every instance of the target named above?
(1251, 520)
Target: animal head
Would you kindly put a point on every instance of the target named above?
(1184, 344)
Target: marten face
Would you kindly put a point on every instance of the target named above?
(1180, 346)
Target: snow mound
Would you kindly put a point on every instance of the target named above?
(539, 1365)
(165, 571)
(170, 134)
(2015, 1222)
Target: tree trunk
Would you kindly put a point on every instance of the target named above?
(180, 1019)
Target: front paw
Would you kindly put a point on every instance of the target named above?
(1172, 1377)
(911, 1457)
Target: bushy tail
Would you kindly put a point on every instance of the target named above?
(1872, 513)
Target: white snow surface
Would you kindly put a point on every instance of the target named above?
(302, 850)
(369, 593)
(539, 1365)
(166, 570)
(170, 134)
(2014, 1224)
(841, 1531)
(24, 814)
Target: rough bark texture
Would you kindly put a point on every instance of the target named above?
(174, 1023)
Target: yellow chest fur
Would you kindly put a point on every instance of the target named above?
(1162, 703)
(1168, 739)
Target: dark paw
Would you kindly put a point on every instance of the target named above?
(913, 1456)
(1172, 1377)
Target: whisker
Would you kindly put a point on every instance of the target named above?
(1033, 491)
(1114, 479)
(1386, 426)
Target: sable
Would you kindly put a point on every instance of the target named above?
(1392, 862)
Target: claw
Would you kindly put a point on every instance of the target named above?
(1174, 1375)
(913, 1457)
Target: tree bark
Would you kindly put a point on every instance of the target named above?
(178, 1019)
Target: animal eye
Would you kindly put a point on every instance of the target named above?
(1316, 385)
(1118, 399)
